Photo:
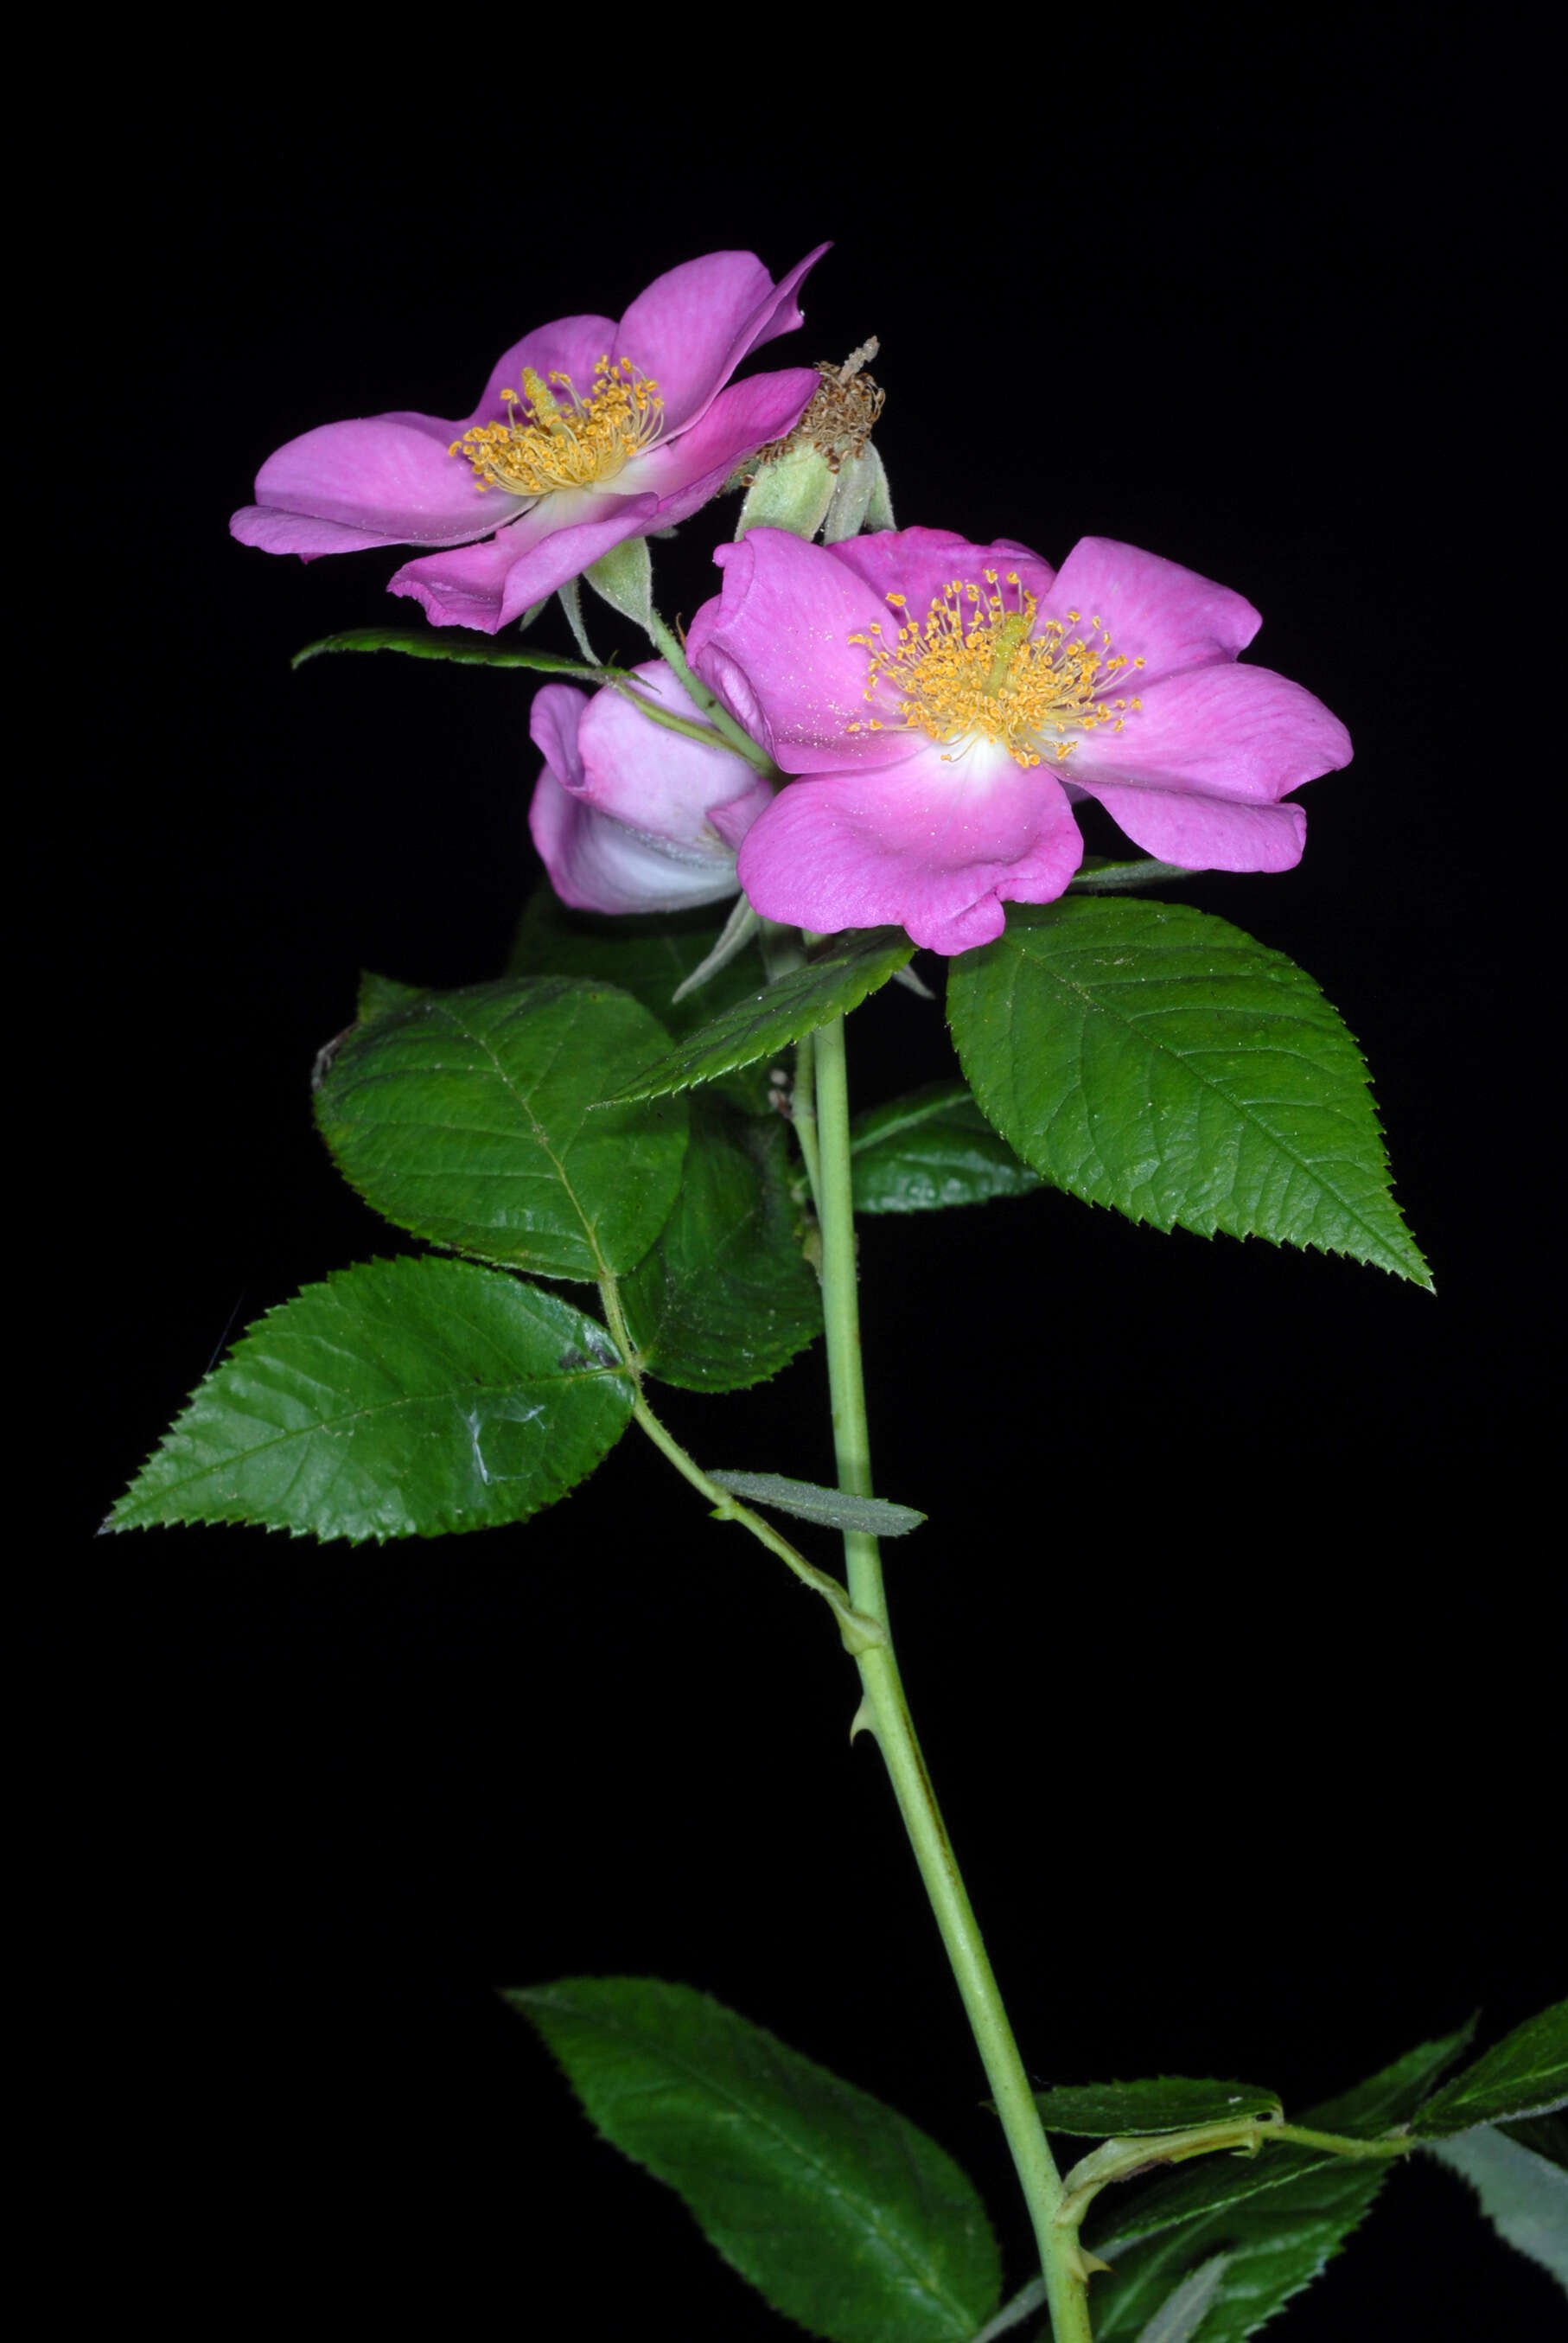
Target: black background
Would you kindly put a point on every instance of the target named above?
(1229, 1638)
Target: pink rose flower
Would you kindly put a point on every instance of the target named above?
(943, 704)
(588, 432)
(628, 816)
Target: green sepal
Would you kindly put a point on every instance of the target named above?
(791, 491)
(1150, 1057)
(1160, 2102)
(836, 977)
(842, 2215)
(457, 645)
(929, 1149)
(401, 1398)
(624, 579)
(1525, 2074)
(725, 1298)
(471, 1117)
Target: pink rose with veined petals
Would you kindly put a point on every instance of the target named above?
(628, 816)
(588, 432)
(942, 705)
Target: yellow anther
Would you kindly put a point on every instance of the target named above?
(980, 667)
(570, 442)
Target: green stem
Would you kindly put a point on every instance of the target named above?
(886, 1712)
(1124, 2159)
(668, 646)
(857, 1632)
(784, 951)
(1338, 2144)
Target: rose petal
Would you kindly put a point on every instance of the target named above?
(1205, 833)
(569, 347)
(934, 845)
(554, 721)
(774, 644)
(684, 473)
(281, 532)
(488, 585)
(388, 473)
(659, 782)
(597, 864)
(1152, 608)
(921, 563)
(693, 325)
(1229, 731)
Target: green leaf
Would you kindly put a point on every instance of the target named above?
(726, 1298)
(1103, 874)
(1523, 2195)
(1162, 2103)
(470, 1118)
(1208, 2189)
(1545, 2135)
(874, 1516)
(1152, 1057)
(931, 1148)
(1274, 2245)
(377, 994)
(1526, 2074)
(1182, 2314)
(401, 1398)
(650, 957)
(836, 977)
(839, 2212)
(456, 644)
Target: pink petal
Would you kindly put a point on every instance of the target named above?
(1194, 775)
(733, 817)
(1229, 731)
(600, 863)
(488, 585)
(774, 644)
(692, 327)
(921, 563)
(281, 532)
(553, 722)
(597, 864)
(1152, 608)
(1205, 833)
(570, 347)
(388, 479)
(659, 781)
(935, 845)
(684, 473)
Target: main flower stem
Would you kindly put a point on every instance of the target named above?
(885, 1711)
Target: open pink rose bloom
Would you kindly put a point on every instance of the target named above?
(630, 816)
(588, 432)
(942, 705)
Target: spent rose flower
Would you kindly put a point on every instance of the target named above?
(588, 432)
(628, 816)
(943, 704)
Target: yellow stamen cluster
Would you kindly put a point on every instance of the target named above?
(566, 443)
(976, 667)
